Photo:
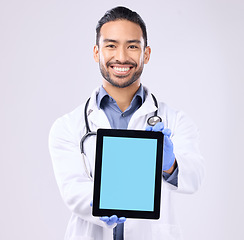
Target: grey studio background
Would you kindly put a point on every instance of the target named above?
(47, 69)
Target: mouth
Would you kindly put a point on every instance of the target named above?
(121, 70)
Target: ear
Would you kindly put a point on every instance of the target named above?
(95, 53)
(147, 54)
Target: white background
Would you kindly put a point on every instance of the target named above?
(47, 69)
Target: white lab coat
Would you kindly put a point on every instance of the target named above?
(77, 189)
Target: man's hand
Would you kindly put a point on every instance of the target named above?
(168, 154)
(111, 220)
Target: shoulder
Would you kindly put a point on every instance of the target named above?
(164, 108)
(75, 118)
(68, 124)
(176, 119)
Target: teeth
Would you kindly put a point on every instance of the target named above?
(121, 69)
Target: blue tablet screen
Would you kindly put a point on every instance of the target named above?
(128, 173)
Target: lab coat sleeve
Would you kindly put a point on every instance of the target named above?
(190, 162)
(75, 187)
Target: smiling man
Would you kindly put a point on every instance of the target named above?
(121, 52)
(122, 102)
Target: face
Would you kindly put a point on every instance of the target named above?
(121, 53)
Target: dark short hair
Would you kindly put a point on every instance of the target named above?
(121, 13)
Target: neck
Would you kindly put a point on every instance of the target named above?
(122, 96)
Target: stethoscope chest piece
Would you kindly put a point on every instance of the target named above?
(152, 121)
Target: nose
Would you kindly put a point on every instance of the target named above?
(121, 54)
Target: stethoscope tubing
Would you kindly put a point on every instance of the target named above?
(154, 119)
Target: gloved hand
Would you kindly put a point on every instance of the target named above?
(168, 153)
(111, 220)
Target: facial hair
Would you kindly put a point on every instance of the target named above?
(107, 76)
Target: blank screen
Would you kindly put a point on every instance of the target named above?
(128, 173)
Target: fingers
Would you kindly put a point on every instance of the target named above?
(166, 132)
(158, 127)
(121, 220)
(104, 219)
(109, 220)
(113, 219)
(149, 128)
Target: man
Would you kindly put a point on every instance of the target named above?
(122, 102)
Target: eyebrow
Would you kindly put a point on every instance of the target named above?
(134, 41)
(109, 40)
(115, 41)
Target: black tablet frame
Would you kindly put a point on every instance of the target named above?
(155, 214)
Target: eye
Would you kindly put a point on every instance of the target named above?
(133, 47)
(110, 46)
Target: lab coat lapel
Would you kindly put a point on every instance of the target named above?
(96, 116)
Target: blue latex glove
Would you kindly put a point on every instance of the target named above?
(111, 220)
(168, 154)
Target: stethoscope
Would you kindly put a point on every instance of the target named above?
(151, 121)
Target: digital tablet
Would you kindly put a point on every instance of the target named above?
(128, 173)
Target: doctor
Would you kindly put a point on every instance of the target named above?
(122, 102)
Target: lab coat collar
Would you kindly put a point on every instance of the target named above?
(96, 115)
